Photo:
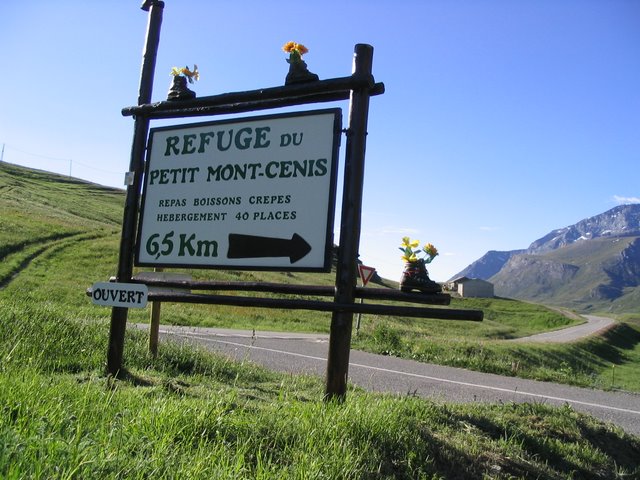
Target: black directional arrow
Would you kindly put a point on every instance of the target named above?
(252, 246)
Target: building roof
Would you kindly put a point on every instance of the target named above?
(467, 279)
(459, 279)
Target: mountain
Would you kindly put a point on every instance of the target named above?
(488, 265)
(621, 221)
(593, 265)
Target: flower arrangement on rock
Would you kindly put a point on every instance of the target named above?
(298, 72)
(415, 275)
(179, 89)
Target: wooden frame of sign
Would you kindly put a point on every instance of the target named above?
(358, 88)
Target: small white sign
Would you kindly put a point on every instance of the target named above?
(129, 178)
(256, 192)
(129, 295)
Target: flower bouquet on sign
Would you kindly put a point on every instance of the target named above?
(415, 275)
(298, 72)
(179, 89)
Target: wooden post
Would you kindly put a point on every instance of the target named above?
(342, 322)
(154, 324)
(359, 318)
(136, 165)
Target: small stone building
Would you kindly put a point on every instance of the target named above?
(472, 287)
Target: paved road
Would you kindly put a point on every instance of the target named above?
(593, 325)
(307, 354)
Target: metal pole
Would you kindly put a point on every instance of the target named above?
(141, 130)
(342, 322)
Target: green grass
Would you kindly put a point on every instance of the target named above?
(619, 351)
(190, 414)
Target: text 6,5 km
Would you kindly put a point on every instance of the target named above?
(187, 245)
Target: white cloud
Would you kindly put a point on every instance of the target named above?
(624, 200)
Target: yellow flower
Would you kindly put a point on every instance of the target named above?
(191, 75)
(410, 254)
(408, 243)
(291, 47)
(430, 250)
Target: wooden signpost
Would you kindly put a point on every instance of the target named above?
(273, 206)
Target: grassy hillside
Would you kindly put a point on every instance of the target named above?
(191, 414)
(595, 261)
(42, 213)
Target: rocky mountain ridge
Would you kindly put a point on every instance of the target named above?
(593, 264)
(621, 221)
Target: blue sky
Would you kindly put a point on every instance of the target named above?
(501, 121)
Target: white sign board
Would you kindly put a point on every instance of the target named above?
(255, 193)
(129, 295)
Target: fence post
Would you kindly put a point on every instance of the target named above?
(154, 323)
(141, 130)
(342, 322)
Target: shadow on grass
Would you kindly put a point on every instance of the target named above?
(612, 344)
(625, 453)
(126, 376)
(557, 443)
(425, 454)
(623, 336)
